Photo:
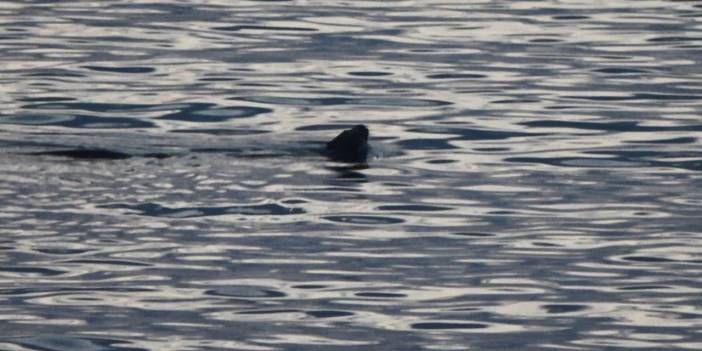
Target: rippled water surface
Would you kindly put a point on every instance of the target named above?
(534, 182)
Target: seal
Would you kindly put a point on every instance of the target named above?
(350, 146)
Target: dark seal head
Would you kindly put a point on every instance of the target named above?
(349, 146)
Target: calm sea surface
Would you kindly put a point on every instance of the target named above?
(535, 180)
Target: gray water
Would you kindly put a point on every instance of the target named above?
(534, 182)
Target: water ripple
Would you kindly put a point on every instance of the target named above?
(157, 210)
(532, 182)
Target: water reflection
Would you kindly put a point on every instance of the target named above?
(350, 173)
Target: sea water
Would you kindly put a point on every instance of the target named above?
(534, 182)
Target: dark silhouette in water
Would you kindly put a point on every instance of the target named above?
(88, 154)
(349, 146)
(96, 154)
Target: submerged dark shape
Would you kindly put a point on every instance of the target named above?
(89, 154)
(349, 146)
(95, 154)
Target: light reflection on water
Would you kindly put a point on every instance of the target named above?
(533, 181)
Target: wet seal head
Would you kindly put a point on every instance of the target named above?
(349, 146)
